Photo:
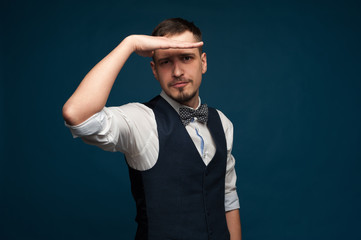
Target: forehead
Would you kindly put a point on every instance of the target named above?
(187, 36)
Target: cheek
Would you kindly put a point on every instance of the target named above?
(163, 82)
(163, 73)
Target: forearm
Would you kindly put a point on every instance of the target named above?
(92, 93)
(234, 224)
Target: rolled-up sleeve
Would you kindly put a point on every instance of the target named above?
(231, 197)
(126, 128)
(102, 129)
(91, 126)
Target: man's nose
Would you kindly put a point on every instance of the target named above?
(177, 70)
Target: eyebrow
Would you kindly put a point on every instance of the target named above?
(181, 55)
(187, 55)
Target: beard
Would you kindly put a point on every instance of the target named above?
(182, 96)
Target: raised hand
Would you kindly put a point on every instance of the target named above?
(145, 45)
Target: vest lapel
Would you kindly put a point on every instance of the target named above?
(213, 124)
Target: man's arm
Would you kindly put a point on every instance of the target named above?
(91, 95)
(234, 224)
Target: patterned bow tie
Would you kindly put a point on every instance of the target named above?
(188, 114)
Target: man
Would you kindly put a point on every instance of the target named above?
(180, 163)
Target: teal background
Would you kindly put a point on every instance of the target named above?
(287, 73)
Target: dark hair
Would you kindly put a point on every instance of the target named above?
(175, 26)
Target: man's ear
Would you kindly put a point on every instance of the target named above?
(152, 64)
(204, 62)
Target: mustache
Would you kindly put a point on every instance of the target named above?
(177, 80)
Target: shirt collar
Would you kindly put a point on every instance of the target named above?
(176, 105)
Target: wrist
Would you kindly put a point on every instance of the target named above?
(128, 43)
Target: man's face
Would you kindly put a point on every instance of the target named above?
(179, 71)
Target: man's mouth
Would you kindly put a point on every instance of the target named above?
(179, 83)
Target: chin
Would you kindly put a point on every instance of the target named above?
(184, 97)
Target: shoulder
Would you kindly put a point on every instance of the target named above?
(226, 123)
(227, 128)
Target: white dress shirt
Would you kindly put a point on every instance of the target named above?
(132, 130)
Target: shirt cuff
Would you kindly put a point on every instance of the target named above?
(91, 126)
(231, 201)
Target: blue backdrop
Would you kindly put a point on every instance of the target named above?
(287, 73)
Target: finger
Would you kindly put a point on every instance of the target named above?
(179, 45)
(197, 44)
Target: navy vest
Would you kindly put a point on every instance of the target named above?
(180, 198)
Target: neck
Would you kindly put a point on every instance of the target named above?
(177, 104)
(193, 103)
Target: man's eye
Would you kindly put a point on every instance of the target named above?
(187, 58)
(164, 62)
